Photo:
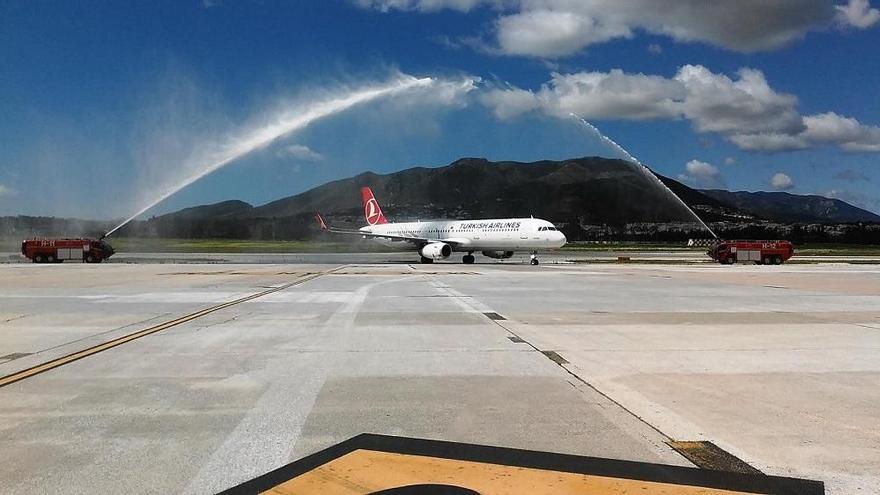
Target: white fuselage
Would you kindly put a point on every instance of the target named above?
(500, 234)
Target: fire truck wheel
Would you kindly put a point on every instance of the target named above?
(731, 260)
(38, 258)
(766, 261)
(50, 258)
(777, 260)
(89, 259)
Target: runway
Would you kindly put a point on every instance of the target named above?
(778, 366)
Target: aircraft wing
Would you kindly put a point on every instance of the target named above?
(369, 235)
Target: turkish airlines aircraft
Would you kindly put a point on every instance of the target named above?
(438, 239)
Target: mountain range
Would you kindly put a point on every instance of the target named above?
(590, 190)
(588, 198)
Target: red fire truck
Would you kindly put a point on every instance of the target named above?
(759, 252)
(59, 250)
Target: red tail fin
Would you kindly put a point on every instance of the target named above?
(372, 213)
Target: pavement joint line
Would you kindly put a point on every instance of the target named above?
(586, 383)
(501, 323)
(562, 363)
(75, 356)
(123, 327)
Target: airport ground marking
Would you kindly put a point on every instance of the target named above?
(371, 464)
(75, 356)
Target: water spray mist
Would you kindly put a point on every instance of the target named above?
(284, 123)
(645, 170)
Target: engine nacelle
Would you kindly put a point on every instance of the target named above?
(436, 250)
(498, 254)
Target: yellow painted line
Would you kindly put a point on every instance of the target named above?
(61, 361)
(362, 472)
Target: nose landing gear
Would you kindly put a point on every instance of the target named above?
(534, 258)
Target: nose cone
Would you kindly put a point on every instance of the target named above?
(560, 239)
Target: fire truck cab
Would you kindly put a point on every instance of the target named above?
(59, 250)
(759, 252)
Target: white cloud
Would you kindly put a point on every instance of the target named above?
(745, 109)
(300, 152)
(612, 94)
(557, 28)
(593, 95)
(769, 142)
(717, 103)
(702, 174)
(729, 160)
(781, 182)
(552, 33)
(858, 14)
(655, 49)
(7, 192)
(846, 132)
(508, 103)
(423, 5)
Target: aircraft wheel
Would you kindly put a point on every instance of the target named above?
(468, 259)
(427, 260)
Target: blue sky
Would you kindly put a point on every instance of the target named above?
(106, 105)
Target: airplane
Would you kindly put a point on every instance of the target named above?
(438, 239)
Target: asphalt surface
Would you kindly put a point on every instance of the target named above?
(661, 257)
(779, 366)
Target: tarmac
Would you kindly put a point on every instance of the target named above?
(236, 369)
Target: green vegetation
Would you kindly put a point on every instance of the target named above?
(155, 245)
(837, 250)
(814, 249)
(630, 246)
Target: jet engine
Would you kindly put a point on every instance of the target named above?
(436, 251)
(498, 254)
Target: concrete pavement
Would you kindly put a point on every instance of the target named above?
(777, 365)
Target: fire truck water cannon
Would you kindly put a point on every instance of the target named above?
(758, 252)
(60, 250)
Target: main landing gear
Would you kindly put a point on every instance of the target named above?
(427, 260)
(534, 258)
(468, 259)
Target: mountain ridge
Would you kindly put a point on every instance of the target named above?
(592, 189)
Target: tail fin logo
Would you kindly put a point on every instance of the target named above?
(372, 211)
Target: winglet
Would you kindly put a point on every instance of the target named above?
(320, 220)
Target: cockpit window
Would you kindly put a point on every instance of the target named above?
(541, 229)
